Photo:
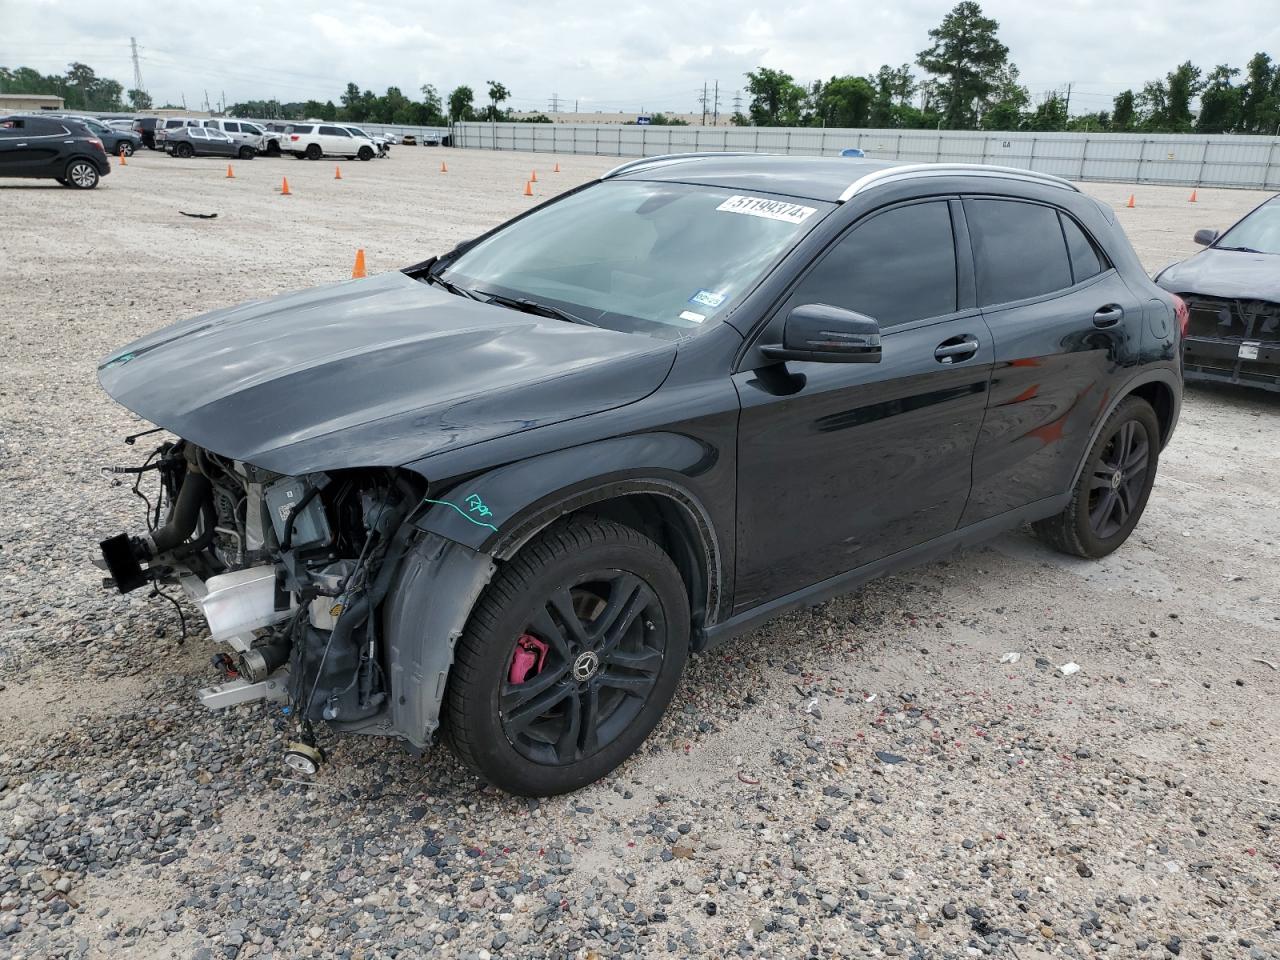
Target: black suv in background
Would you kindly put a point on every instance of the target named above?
(53, 148)
(504, 493)
(145, 127)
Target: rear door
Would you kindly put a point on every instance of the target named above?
(841, 464)
(31, 146)
(1066, 327)
(336, 140)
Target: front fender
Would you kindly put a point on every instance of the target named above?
(499, 511)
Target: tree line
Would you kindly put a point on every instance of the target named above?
(969, 83)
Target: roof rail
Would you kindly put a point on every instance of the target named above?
(912, 170)
(670, 158)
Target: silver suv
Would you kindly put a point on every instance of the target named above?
(242, 132)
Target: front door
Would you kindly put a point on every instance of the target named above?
(841, 464)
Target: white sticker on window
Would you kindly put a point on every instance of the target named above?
(769, 209)
(692, 317)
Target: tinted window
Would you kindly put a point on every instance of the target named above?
(898, 266)
(334, 132)
(250, 128)
(1018, 250)
(230, 127)
(197, 133)
(1086, 262)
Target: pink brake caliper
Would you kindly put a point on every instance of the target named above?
(527, 661)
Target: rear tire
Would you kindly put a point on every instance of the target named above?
(1113, 488)
(184, 150)
(82, 175)
(607, 611)
(314, 152)
(245, 153)
(126, 149)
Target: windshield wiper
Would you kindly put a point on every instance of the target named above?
(1239, 249)
(450, 286)
(525, 305)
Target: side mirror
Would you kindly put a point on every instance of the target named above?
(1204, 236)
(827, 334)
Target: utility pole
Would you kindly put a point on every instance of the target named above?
(703, 101)
(715, 113)
(137, 70)
(737, 102)
(1068, 104)
(554, 105)
(223, 108)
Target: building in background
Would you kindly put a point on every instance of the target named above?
(28, 102)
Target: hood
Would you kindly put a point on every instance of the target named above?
(1225, 273)
(375, 372)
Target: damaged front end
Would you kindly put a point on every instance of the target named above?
(290, 572)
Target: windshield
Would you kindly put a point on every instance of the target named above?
(664, 259)
(1259, 231)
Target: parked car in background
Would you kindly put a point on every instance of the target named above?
(379, 141)
(145, 127)
(120, 123)
(409, 140)
(114, 141)
(53, 148)
(315, 140)
(1232, 294)
(243, 132)
(502, 494)
(392, 139)
(205, 142)
(169, 124)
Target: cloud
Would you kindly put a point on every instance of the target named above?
(624, 56)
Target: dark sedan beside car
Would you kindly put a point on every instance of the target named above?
(205, 142)
(1232, 292)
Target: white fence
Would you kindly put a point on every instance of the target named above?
(1188, 160)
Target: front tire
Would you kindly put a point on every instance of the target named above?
(1112, 492)
(366, 153)
(82, 175)
(569, 659)
(313, 151)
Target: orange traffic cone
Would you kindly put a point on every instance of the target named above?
(1130, 204)
(533, 176)
(284, 187)
(123, 161)
(1193, 197)
(358, 270)
(230, 175)
(337, 173)
(443, 168)
(528, 188)
(557, 169)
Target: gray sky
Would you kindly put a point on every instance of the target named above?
(653, 55)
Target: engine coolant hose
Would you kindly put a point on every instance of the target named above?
(195, 496)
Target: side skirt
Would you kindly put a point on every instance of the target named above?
(709, 637)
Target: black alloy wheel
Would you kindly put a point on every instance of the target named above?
(597, 654)
(569, 659)
(1112, 491)
(314, 152)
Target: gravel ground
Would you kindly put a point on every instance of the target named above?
(871, 777)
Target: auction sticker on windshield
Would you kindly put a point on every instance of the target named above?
(769, 209)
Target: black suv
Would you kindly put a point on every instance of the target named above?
(507, 491)
(53, 148)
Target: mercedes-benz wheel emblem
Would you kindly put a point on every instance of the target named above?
(585, 667)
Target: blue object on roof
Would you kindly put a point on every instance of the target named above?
(852, 152)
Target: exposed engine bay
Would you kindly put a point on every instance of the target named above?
(289, 571)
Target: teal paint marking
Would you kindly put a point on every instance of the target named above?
(476, 505)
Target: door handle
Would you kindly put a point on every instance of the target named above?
(1108, 316)
(956, 348)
